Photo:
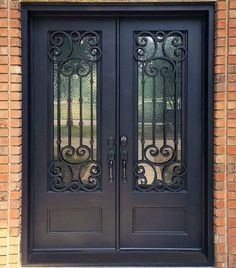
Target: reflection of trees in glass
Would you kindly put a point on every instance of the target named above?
(86, 87)
(171, 81)
(75, 56)
(79, 70)
(159, 166)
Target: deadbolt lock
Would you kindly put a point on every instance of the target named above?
(123, 140)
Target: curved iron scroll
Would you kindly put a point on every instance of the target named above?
(160, 56)
(74, 56)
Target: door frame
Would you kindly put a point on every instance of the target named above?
(172, 258)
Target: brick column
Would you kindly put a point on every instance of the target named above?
(231, 141)
(14, 133)
(4, 131)
(10, 132)
(220, 133)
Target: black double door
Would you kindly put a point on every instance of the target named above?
(117, 135)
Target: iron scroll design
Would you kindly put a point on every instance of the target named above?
(160, 56)
(74, 55)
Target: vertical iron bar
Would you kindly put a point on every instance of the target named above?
(175, 113)
(81, 111)
(181, 113)
(69, 122)
(58, 110)
(154, 112)
(97, 120)
(142, 135)
(164, 110)
(91, 109)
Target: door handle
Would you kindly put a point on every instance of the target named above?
(124, 157)
(111, 157)
(124, 164)
(110, 165)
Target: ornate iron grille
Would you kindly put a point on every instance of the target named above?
(75, 57)
(160, 57)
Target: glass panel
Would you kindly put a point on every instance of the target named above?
(160, 70)
(75, 57)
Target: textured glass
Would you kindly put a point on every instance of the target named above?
(75, 57)
(160, 59)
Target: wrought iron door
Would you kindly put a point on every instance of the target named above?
(117, 125)
(73, 81)
(160, 199)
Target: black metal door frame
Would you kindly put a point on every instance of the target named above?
(203, 257)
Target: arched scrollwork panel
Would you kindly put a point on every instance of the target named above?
(75, 57)
(160, 58)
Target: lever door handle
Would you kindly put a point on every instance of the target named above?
(111, 157)
(124, 156)
(124, 177)
(124, 164)
(110, 170)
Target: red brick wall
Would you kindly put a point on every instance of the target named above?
(10, 132)
(225, 133)
(231, 139)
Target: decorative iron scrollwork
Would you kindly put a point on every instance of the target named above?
(74, 56)
(85, 45)
(160, 56)
(68, 176)
(160, 51)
